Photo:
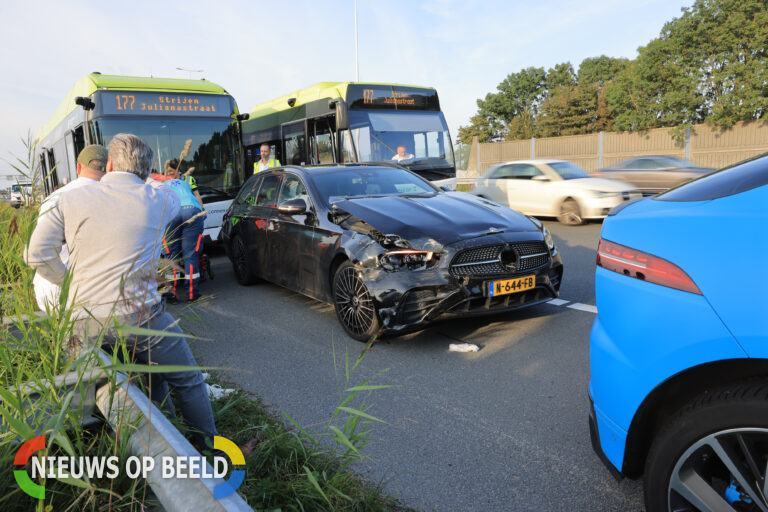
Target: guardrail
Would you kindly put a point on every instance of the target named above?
(156, 437)
(153, 435)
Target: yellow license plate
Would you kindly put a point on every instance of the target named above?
(507, 286)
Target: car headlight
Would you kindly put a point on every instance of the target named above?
(411, 259)
(600, 193)
(548, 239)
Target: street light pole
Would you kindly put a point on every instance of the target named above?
(357, 59)
(190, 71)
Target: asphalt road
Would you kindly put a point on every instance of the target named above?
(501, 429)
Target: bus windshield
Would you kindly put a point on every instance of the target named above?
(213, 145)
(417, 140)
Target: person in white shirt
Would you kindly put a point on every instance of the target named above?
(91, 164)
(401, 155)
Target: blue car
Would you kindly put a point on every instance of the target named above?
(679, 348)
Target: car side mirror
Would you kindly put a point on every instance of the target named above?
(445, 188)
(295, 206)
(540, 177)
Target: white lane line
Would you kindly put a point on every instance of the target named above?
(557, 302)
(584, 307)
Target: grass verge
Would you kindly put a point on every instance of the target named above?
(277, 471)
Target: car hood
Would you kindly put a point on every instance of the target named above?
(444, 217)
(601, 184)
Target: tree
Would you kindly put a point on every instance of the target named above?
(486, 129)
(510, 112)
(600, 70)
(569, 110)
(562, 75)
(711, 64)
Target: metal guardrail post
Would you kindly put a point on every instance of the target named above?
(158, 438)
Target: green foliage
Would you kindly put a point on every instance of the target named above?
(600, 70)
(561, 76)
(709, 65)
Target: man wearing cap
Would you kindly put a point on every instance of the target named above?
(91, 164)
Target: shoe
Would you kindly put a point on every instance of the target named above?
(170, 298)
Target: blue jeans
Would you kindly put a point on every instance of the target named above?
(189, 386)
(185, 239)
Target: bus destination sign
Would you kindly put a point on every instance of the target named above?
(151, 103)
(391, 97)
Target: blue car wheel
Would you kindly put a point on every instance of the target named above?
(713, 455)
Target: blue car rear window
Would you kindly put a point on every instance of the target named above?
(736, 179)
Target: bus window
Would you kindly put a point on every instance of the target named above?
(295, 145)
(53, 178)
(71, 154)
(347, 147)
(78, 136)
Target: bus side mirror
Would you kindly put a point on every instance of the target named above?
(342, 119)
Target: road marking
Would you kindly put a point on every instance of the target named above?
(584, 307)
(576, 305)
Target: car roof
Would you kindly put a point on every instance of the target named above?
(330, 168)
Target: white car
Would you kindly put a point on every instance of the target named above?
(553, 188)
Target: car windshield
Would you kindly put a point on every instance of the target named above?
(213, 142)
(370, 182)
(568, 171)
(417, 140)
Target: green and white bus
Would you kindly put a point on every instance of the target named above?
(166, 113)
(337, 122)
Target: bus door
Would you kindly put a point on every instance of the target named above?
(294, 144)
(322, 146)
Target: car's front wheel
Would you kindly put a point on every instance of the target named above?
(713, 455)
(240, 264)
(570, 213)
(353, 303)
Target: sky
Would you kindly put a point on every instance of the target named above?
(259, 50)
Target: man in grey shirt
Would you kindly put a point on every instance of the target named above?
(114, 232)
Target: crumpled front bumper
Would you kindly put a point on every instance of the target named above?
(405, 299)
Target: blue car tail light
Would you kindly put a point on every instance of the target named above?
(646, 267)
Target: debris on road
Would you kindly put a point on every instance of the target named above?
(463, 347)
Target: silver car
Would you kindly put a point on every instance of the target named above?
(553, 188)
(653, 174)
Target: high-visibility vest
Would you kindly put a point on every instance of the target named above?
(227, 174)
(192, 182)
(272, 162)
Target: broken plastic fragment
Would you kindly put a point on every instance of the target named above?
(463, 347)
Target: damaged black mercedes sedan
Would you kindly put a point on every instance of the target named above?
(388, 249)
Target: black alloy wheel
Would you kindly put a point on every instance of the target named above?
(713, 455)
(353, 303)
(570, 213)
(240, 263)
